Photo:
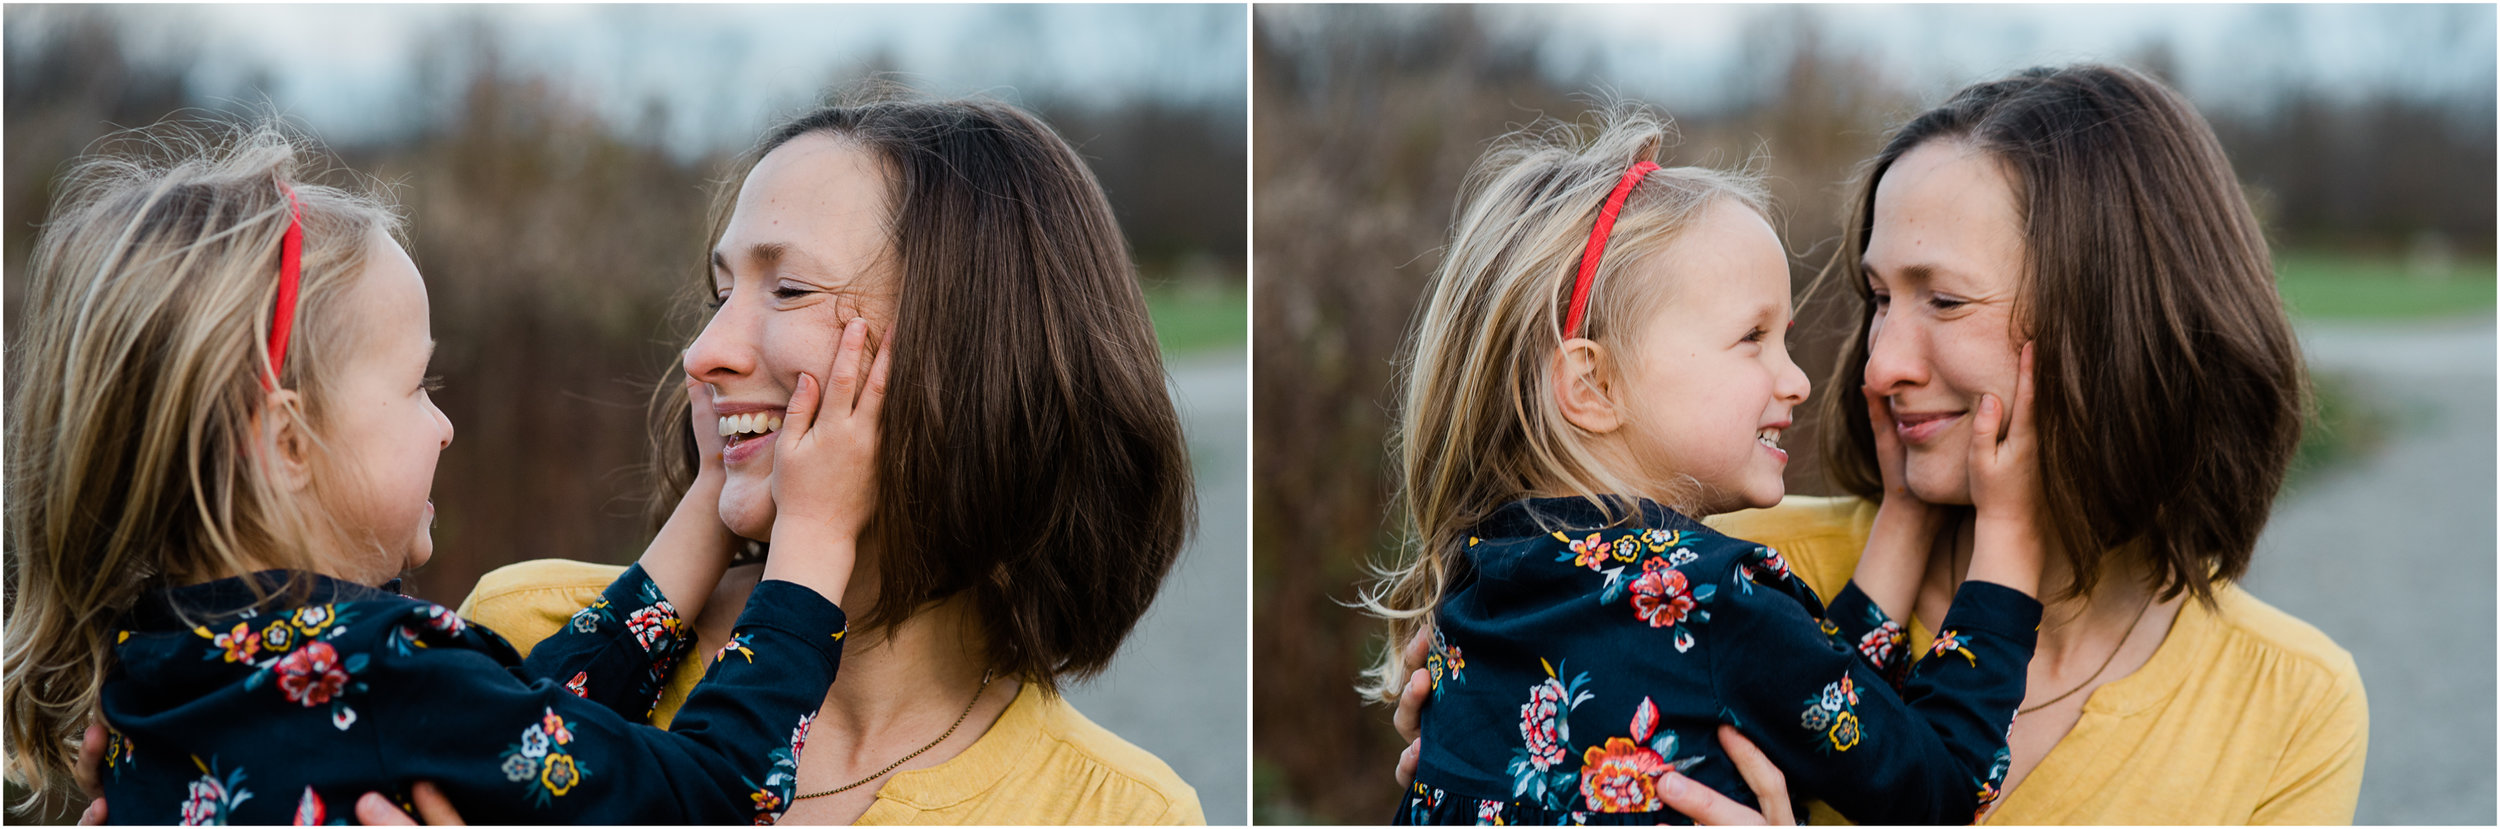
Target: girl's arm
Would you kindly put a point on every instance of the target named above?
(448, 710)
(1930, 753)
(691, 551)
(824, 469)
(1905, 527)
(2005, 490)
(619, 650)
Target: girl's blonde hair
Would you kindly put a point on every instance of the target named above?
(137, 397)
(1479, 426)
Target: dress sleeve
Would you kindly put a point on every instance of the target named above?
(2318, 779)
(618, 650)
(1860, 624)
(511, 750)
(1932, 753)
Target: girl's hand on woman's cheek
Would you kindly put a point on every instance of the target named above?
(824, 481)
(708, 477)
(2005, 486)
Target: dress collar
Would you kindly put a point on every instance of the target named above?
(186, 606)
(1538, 516)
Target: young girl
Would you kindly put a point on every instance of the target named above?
(1600, 363)
(220, 451)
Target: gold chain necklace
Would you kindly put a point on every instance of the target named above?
(950, 731)
(2140, 613)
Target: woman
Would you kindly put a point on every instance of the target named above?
(1034, 484)
(2089, 211)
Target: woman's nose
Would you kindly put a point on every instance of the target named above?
(726, 347)
(1895, 355)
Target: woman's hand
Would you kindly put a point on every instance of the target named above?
(1706, 806)
(90, 773)
(824, 468)
(433, 809)
(2005, 487)
(1410, 716)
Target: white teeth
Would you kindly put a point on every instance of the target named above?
(759, 423)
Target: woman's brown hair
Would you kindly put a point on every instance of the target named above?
(1029, 452)
(2169, 385)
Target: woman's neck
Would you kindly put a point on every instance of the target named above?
(2071, 626)
(892, 678)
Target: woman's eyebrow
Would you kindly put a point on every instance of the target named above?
(763, 254)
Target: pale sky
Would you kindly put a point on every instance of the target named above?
(723, 71)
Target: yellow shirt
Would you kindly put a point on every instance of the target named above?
(2244, 715)
(1041, 763)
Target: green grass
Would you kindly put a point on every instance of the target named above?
(1199, 315)
(2341, 428)
(2327, 286)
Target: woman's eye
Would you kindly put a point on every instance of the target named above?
(789, 292)
(1946, 303)
(716, 301)
(1882, 299)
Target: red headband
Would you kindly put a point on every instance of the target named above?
(1597, 245)
(290, 272)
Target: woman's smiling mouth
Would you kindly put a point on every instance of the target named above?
(1922, 427)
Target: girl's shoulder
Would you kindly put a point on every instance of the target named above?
(1576, 533)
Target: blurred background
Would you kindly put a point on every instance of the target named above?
(2363, 136)
(555, 163)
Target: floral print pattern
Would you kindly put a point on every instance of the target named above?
(773, 796)
(1543, 585)
(294, 652)
(542, 761)
(1444, 660)
(212, 798)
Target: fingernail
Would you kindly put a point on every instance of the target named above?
(1670, 784)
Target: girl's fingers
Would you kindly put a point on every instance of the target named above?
(872, 397)
(842, 385)
(1407, 761)
(1985, 428)
(2024, 387)
(94, 815)
(801, 414)
(1769, 785)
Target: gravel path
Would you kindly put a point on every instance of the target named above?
(1180, 688)
(2392, 554)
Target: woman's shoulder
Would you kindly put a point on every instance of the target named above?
(1042, 763)
(531, 600)
(1821, 537)
(2258, 637)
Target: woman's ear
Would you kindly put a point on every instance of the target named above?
(1583, 386)
(285, 446)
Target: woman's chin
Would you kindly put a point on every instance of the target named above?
(747, 511)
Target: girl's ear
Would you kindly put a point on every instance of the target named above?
(285, 446)
(1583, 386)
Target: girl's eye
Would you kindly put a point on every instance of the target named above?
(1757, 334)
(433, 382)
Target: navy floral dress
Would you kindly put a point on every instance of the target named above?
(221, 714)
(1572, 666)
